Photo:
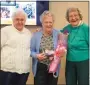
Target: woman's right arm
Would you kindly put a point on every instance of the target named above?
(4, 37)
(33, 47)
(34, 52)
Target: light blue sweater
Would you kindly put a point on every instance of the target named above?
(35, 45)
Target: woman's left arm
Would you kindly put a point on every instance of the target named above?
(86, 31)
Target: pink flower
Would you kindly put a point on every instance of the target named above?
(59, 52)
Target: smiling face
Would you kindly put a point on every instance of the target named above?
(19, 21)
(47, 23)
(74, 18)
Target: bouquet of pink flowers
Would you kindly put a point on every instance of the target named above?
(59, 52)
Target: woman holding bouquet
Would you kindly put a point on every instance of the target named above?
(41, 42)
(77, 58)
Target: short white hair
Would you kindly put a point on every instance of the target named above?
(46, 12)
(18, 11)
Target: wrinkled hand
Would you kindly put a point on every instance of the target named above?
(41, 56)
(61, 52)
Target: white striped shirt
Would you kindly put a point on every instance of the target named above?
(15, 50)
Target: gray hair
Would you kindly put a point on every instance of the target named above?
(73, 9)
(18, 11)
(46, 12)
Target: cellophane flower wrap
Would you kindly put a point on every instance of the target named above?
(61, 48)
